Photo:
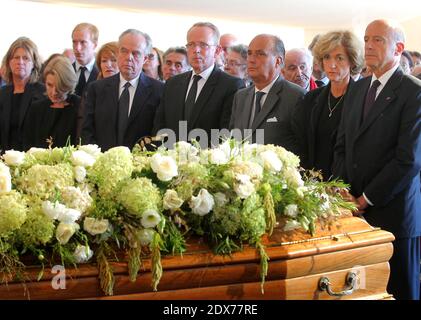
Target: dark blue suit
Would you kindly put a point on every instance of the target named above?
(101, 111)
(381, 156)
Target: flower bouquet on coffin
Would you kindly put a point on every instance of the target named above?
(234, 193)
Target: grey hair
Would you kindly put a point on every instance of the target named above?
(148, 42)
(180, 50)
(241, 49)
(305, 52)
(215, 30)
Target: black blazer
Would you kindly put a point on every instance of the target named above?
(32, 93)
(43, 122)
(305, 124)
(101, 110)
(211, 111)
(381, 156)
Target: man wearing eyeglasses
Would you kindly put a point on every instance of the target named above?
(201, 98)
(266, 107)
(119, 110)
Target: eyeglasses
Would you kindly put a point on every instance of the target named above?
(232, 63)
(200, 44)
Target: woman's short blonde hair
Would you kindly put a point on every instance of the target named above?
(110, 48)
(331, 40)
(29, 46)
(65, 75)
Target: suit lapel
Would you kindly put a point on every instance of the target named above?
(180, 97)
(247, 108)
(113, 87)
(383, 101)
(93, 75)
(203, 97)
(315, 113)
(270, 102)
(141, 95)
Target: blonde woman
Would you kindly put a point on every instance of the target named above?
(316, 120)
(106, 60)
(54, 118)
(22, 66)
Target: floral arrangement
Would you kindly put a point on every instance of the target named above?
(77, 204)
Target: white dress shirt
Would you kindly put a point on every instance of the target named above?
(201, 83)
(132, 89)
(88, 70)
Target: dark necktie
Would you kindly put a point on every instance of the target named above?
(191, 97)
(259, 95)
(82, 81)
(123, 113)
(371, 97)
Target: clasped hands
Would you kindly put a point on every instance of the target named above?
(360, 202)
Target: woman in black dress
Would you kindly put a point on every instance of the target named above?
(22, 66)
(316, 120)
(53, 119)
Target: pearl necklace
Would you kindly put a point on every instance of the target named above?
(334, 107)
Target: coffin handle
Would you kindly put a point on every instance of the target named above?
(325, 285)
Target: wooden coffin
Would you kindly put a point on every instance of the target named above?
(297, 263)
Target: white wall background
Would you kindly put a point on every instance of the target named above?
(50, 26)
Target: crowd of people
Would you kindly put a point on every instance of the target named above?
(348, 108)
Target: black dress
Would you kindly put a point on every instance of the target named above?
(315, 131)
(58, 124)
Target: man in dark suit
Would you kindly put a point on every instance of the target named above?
(119, 110)
(268, 104)
(378, 152)
(85, 40)
(202, 97)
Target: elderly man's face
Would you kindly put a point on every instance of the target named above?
(175, 63)
(262, 62)
(381, 50)
(297, 69)
(201, 48)
(131, 55)
(83, 46)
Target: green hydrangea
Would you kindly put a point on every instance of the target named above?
(45, 180)
(13, 212)
(110, 169)
(38, 229)
(139, 195)
(47, 156)
(226, 220)
(253, 218)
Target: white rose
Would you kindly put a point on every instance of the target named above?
(80, 173)
(185, 152)
(14, 158)
(145, 236)
(218, 156)
(325, 206)
(82, 254)
(65, 231)
(203, 203)
(220, 199)
(34, 151)
(291, 210)
(243, 187)
(171, 200)
(53, 210)
(271, 161)
(150, 218)
(69, 215)
(249, 150)
(82, 158)
(293, 177)
(165, 167)
(91, 149)
(95, 226)
(5, 178)
(292, 225)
